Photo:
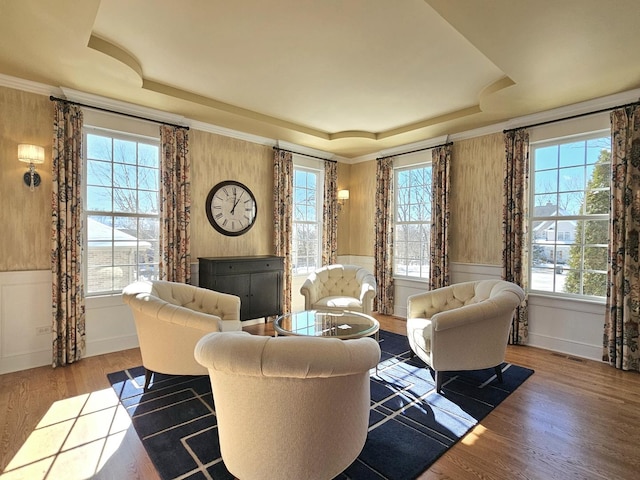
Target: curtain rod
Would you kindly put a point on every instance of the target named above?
(415, 151)
(52, 98)
(579, 115)
(304, 154)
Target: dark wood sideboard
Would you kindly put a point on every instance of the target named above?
(256, 280)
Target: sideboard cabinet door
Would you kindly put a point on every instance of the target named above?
(256, 280)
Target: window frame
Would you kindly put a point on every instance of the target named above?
(561, 268)
(136, 266)
(310, 167)
(411, 163)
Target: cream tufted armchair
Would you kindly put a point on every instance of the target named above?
(289, 407)
(339, 287)
(463, 326)
(171, 317)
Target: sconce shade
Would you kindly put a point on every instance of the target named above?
(343, 194)
(30, 153)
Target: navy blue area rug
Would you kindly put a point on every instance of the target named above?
(410, 425)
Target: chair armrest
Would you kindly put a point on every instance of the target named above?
(151, 306)
(367, 288)
(223, 305)
(310, 291)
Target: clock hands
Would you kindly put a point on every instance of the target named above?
(235, 203)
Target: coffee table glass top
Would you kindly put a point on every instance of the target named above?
(326, 324)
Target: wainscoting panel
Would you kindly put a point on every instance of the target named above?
(25, 322)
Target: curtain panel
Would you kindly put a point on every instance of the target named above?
(439, 241)
(283, 217)
(330, 214)
(67, 236)
(622, 315)
(383, 248)
(175, 205)
(514, 223)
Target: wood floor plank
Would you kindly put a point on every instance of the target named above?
(572, 419)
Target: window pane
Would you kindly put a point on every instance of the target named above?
(569, 255)
(413, 221)
(99, 148)
(125, 151)
(148, 155)
(124, 175)
(98, 173)
(122, 247)
(572, 154)
(148, 178)
(99, 199)
(546, 157)
(306, 221)
(546, 181)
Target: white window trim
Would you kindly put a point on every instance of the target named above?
(568, 132)
(406, 162)
(140, 131)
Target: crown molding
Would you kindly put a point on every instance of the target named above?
(227, 132)
(119, 106)
(28, 86)
(581, 108)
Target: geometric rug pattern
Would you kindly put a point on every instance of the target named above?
(410, 425)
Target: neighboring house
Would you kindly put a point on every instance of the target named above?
(552, 246)
(102, 276)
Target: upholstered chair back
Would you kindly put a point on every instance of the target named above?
(171, 317)
(339, 287)
(289, 407)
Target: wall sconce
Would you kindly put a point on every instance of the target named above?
(31, 154)
(343, 196)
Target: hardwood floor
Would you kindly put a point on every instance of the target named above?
(573, 419)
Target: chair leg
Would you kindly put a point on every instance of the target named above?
(438, 381)
(147, 378)
(498, 373)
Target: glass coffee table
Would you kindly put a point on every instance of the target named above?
(317, 323)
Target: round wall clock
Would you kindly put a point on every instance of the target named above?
(231, 208)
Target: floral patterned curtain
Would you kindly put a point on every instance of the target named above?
(330, 214)
(67, 236)
(383, 248)
(514, 223)
(283, 217)
(440, 187)
(175, 205)
(622, 316)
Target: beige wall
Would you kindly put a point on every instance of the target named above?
(362, 208)
(215, 158)
(25, 216)
(476, 197)
(344, 223)
(476, 200)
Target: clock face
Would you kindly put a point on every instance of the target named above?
(231, 208)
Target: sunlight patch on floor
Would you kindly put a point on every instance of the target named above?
(474, 435)
(74, 439)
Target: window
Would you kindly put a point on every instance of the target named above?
(307, 219)
(412, 221)
(122, 209)
(569, 230)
